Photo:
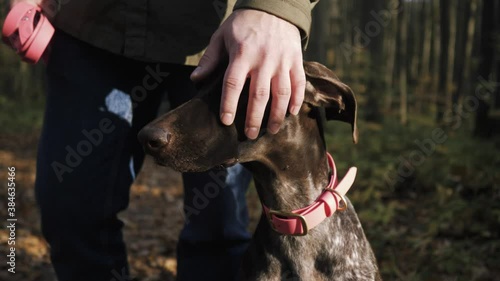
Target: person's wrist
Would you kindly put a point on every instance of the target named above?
(240, 10)
(267, 17)
(297, 13)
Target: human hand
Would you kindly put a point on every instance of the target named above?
(266, 49)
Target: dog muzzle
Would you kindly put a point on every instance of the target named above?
(27, 31)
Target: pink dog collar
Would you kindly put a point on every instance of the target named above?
(27, 31)
(299, 222)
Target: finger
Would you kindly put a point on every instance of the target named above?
(210, 58)
(260, 84)
(234, 80)
(298, 82)
(281, 91)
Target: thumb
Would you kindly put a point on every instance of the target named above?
(210, 59)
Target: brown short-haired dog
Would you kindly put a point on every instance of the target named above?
(290, 171)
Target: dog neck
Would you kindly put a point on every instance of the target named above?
(291, 175)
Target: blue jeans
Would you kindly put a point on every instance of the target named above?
(88, 157)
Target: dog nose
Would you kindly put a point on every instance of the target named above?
(153, 139)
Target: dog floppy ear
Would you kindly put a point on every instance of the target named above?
(324, 89)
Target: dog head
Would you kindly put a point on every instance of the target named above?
(192, 138)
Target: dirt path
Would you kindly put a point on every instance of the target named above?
(152, 221)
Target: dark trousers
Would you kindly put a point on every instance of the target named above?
(89, 155)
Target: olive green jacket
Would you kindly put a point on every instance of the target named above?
(162, 30)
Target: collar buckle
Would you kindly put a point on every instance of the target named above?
(340, 207)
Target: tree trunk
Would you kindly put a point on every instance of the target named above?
(496, 93)
(375, 31)
(436, 51)
(334, 52)
(443, 61)
(345, 45)
(390, 43)
(482, 126)
(403, 75)
(450, 85)
(415, 40)
(422, 91)
(465, 66)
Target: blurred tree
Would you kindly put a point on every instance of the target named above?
(374, 32)
(484, 125)
(390, 50)
(463, 62)
(450, 60)
(422, 56)
(443, 60)
(437, 51)
(403, 62)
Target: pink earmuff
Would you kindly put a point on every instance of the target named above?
(27, 31)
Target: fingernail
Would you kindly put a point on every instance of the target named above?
(274, 128)
(226, 118)
(295, 110)
(251, 132)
